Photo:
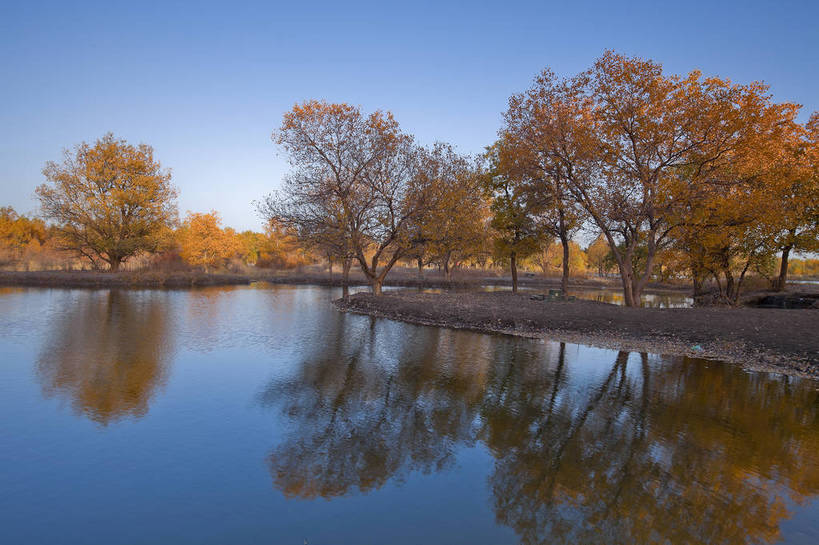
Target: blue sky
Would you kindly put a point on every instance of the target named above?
(206, 83)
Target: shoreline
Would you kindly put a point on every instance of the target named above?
(185, 279)
(768, 340)
(125, 279)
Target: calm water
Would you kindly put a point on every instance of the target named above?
(260, 415)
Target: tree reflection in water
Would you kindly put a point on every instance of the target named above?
(652, 450)
(109, 354)
(359, 423)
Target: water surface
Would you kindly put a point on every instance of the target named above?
(260, 415)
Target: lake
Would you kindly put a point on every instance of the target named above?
(259, 414)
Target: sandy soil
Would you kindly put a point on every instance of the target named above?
(763, 339)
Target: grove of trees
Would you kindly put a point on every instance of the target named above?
(362, 189)
(714, 170)
(664, 176)
(714, 173)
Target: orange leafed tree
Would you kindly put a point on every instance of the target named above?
(734, 215)
(547, 142)
(354, 181)
(204, 243)
(110, 200)
(796, 214)
(648, 156)
(19, 233)
(452, 227)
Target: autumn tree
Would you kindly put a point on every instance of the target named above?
(729, 214)
(354, 175)
(252, 245)
(640, 132)
(204, 243)
(19, 233)
(314, 218)
(796, 212)
(281, 247)
(453, 224)
(726, 233)
(631, 144)
(551, 257)
(110, 200)
(517, 233)
(542, 133)
(597, 254)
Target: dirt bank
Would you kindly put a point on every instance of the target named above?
(146, 279)
(180, 279)
(763, 339)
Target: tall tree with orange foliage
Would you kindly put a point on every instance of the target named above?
(453, 224)
(354, 175)
(110, 200)
(732, 214)
(635, 148)
(796, 212)
(647, 128)
(548, 143)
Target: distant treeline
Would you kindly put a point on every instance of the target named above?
(198, 242)
(677, 177)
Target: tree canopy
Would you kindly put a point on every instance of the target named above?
(109, 201)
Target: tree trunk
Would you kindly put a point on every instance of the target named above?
(718, 282)
(514, 266)
(330, 265)
(782, 280)
(698, 284)
(735, 298)
(345, 278)
(625, 265)
(420, 268)
(564, 242)
(729, 283)
(626, 276)
(638, 284)
(115, 262)
(370, 269)
(564, 281)
(698, 274)
(447, 270)
(544, 261)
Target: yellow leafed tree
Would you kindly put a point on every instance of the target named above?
(204, 243)
(19, 233)
(110, 200)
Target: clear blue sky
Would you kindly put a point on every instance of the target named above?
(206, 83)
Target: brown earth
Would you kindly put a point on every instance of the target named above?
(126, 279)
(763, 339)
(400, 277)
